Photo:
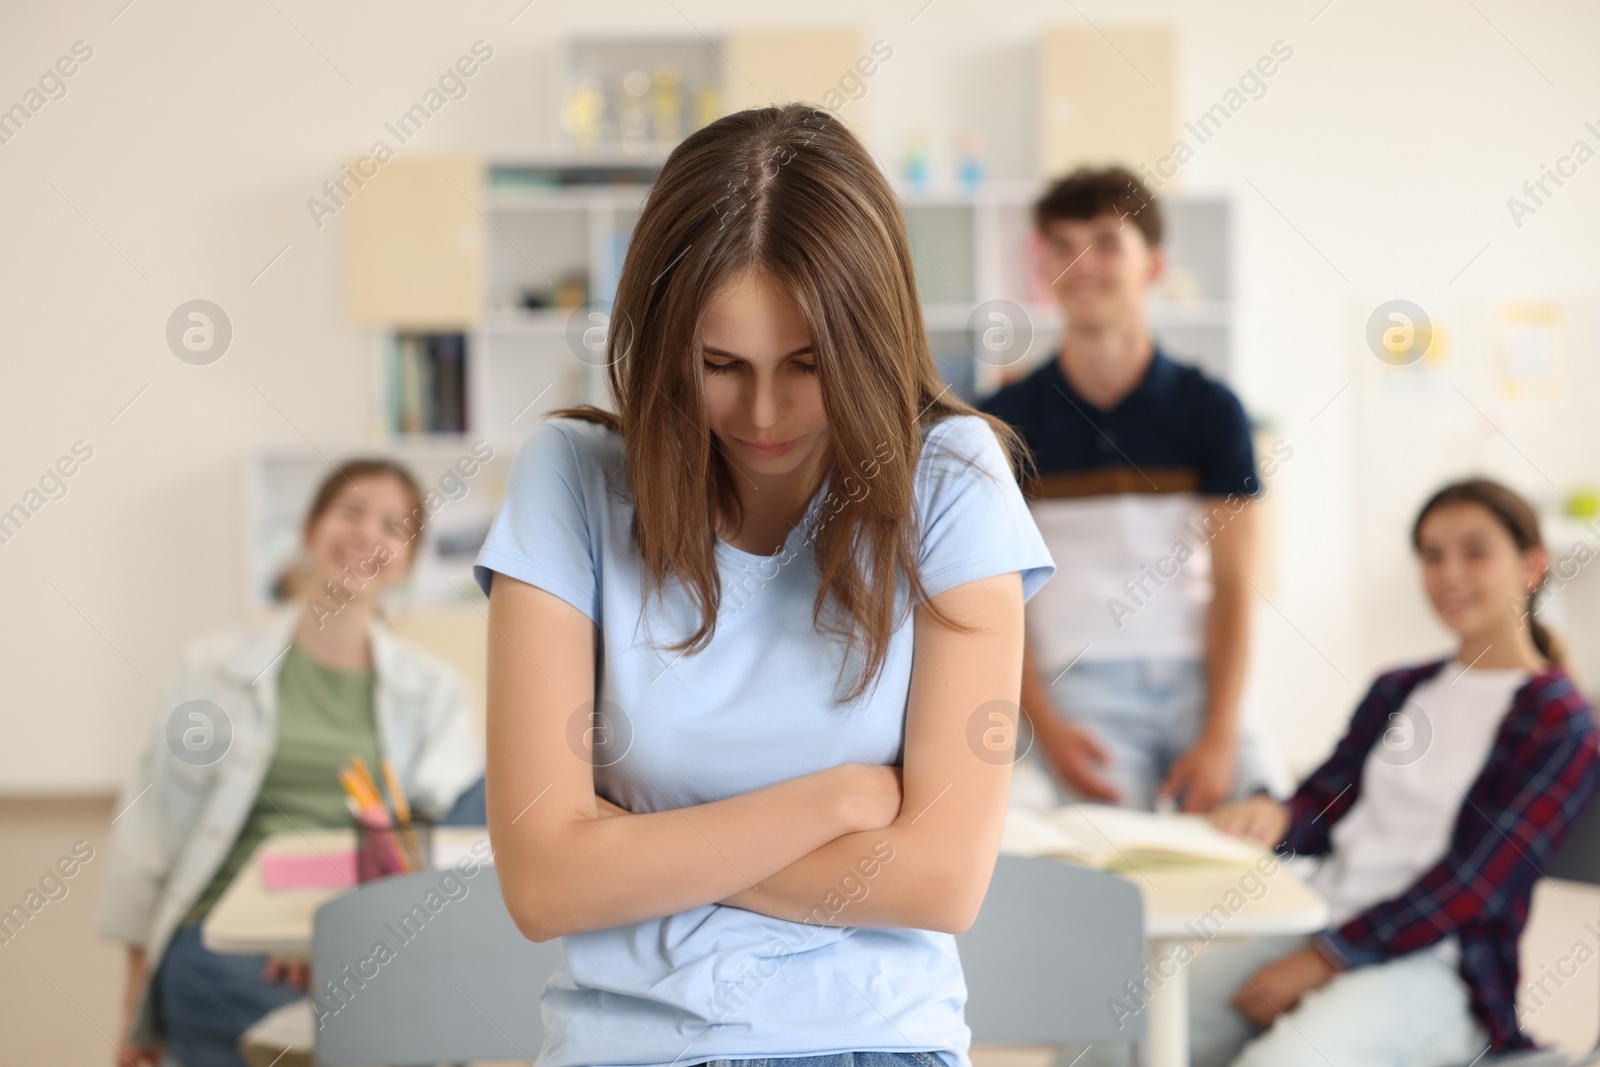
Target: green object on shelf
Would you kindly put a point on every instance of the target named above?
(1583, 503)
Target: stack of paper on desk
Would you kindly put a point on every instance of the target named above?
(1102, 836)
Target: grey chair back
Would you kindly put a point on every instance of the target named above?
(1579, 858)
(455, 980)
(1052, 949)
(458, 981)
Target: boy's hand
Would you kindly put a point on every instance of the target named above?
(1074, 754)
(1204, 774)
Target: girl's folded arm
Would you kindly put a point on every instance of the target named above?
(930, 869)
(564, 869)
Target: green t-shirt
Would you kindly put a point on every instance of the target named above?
(324, 715)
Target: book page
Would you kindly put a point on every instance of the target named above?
(1033, 833)
(1104, 836)
(1132, 836)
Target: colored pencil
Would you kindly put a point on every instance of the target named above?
(397, 797)
(372, 815)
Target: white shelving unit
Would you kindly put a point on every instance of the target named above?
(522, 362)
(968, 249)
(524, 265)
(526, 361)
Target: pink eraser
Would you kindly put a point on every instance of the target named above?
(311, 870)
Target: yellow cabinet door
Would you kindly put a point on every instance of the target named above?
(414, 253)
(1105, 97)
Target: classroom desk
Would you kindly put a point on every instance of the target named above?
(250, 919)
(1176, 903)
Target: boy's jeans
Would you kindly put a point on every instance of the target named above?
(1146, 713)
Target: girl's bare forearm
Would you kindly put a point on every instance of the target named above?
(620, 867)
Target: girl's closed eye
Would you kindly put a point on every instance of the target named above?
(720, 368)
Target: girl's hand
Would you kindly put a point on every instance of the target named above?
(1259, 818)
(129, 1054)
(608, 809)
(1276, 988)
(297, 974)
(871, 793)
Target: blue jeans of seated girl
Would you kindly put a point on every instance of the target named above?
(206, 1000)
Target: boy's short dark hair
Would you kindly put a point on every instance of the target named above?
(1088, 192)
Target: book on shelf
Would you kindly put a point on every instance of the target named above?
(1113, 838)
(428, 383)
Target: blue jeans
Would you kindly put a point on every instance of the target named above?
(838, 1059)
(206, 1000)
(470, 809)
(1146, 713)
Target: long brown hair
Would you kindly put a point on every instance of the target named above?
(1519, 519)
(293, 579)
(788, 191)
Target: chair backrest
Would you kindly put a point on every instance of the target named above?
(426, 968)
(429, 967)
(1051, 952)
(1579, 858)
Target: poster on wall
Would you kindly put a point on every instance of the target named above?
(1411, 342)
(1527, 350)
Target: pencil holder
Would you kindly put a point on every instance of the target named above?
(383, 850)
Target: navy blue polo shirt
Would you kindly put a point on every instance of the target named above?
(1177, 429)
(1128, 500)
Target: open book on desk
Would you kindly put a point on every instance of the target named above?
(1112, 838)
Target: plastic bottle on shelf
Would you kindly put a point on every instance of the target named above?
(915, 166)
(633, 112)
(970, 170)
(667, 104)
(707, 105)
(584, 112)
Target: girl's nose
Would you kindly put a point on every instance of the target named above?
(764, 401)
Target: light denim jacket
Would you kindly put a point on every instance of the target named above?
(174, 822)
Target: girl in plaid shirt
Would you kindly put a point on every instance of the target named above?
(1434, 816)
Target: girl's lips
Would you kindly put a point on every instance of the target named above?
(771, 449)
(1457, 609)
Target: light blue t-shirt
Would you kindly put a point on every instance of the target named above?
(756, 706)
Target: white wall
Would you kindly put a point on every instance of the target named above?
(179, 164)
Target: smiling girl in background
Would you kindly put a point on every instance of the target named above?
(247, 741)
(1437, 812)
